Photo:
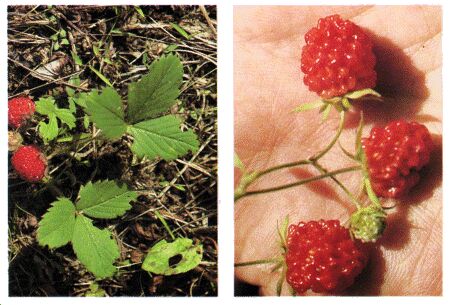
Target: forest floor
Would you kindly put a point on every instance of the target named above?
(48, 46)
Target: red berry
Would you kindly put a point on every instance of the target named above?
(29, 163)
(19, 109)
(322, 256)
(337, 58)
(395, 154)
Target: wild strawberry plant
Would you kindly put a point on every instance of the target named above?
(68, 222)
(153, 134)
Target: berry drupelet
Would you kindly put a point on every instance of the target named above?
(337, 58)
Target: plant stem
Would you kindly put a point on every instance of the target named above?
(250, 178)
(333, 141)
(286, 186)
(258, 262)
(346, 191)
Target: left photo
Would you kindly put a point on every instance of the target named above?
(112, 133)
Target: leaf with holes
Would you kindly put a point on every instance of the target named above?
(56, 227)
(163, 138)
(95, 248)
(105, 199)
(158, 258)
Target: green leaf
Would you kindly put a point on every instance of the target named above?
(95, 248)
(95, 291)
(170, 48)
(105, 199)
(164, 222)
(46, 106)
(105, 110)
(157, 259)
(76, 58)
(238, 163)
(326, 112)
(48, 131)
(180, 30)
(72, 106)
(64, 41)
(157, 91)
(139, 10)
(360, 93)
(101, 76)
(86, 121)
(308, 106)
(82, 98)
(282, 232)
(56, 227)
(163, 138)
(346, 103)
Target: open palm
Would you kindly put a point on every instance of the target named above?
(268, 85)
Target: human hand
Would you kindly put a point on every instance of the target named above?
(407, 260)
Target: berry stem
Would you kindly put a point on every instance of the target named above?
(342, 186)
(259, 262)
(298, 183)
(249, 178)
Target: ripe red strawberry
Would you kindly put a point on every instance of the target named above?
(322, 256)
(19, 109)
(337, 58)
(394, 156)
(29, 163)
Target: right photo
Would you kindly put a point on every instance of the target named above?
(338, 150)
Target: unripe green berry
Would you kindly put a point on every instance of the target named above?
(367, 224)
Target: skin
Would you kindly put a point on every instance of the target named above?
(268, 85)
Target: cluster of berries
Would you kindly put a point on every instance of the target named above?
(27, 160)
(324, 256)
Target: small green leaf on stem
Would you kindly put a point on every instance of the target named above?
(282, 232)
(360, 93)
(326, 112)
(164, 222)
(180, 30)
(238, 163)
(308, 106)
(101, 76)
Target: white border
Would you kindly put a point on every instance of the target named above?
(225, 125)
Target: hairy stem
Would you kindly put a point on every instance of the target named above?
(250, 178)
(258, 262)
(298, 183)
(339, 183)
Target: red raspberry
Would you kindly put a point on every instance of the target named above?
(322, 256)
(29, 163)
(337, 58)
(395, 154)
(19, 109)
